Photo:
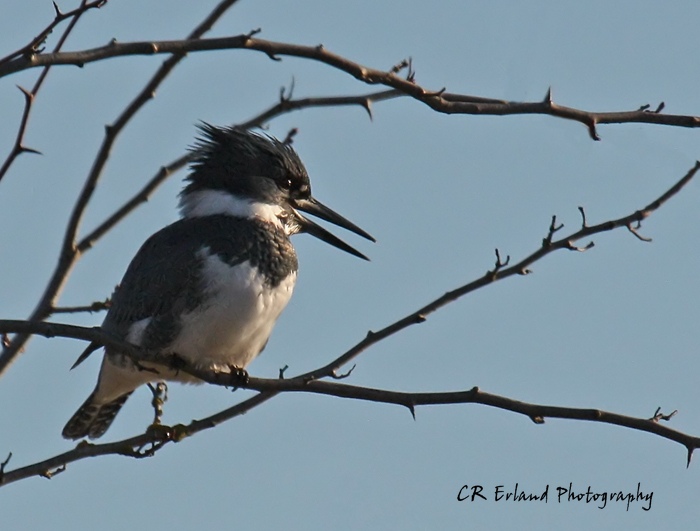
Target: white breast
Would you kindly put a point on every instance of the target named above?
(236, 318)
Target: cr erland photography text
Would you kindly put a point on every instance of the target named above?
(602, 498)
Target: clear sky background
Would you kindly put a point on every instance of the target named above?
(614, 328)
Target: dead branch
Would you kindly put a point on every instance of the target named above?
(283, 107)
(69, 252)
(440, 100)
(19, 147)
(310, 382)
(156, 436)
(37, 42)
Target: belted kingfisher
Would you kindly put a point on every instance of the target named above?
(210, 287)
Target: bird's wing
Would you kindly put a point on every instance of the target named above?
(164, 278)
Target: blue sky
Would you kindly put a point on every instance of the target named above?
(613, 328)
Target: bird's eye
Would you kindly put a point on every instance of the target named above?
(286, 184)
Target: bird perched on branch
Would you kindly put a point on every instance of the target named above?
(209, 288)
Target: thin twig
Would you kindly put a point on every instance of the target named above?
(138, 198)
(97, 306)
(500, 273)
(29, 95)
(70, 252)
(38, 41)
(287, 105)
(259, 120)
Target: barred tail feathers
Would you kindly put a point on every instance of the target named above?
(92, 418)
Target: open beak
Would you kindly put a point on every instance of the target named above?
(315, 208)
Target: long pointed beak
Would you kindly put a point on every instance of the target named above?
(315, 208)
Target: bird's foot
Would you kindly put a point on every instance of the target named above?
(177, 363)
(238, 376)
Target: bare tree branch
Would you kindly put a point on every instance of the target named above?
(157, 436)
(439, 100)
(97, 306)
(70, 252)
(18, 148)
(502, 271)
(144, 445)
(284, 106)
(35, 45)
(138, 198)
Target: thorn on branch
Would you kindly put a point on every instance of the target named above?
(660, 416)
(289, 139)
(25, 149)
(420, 318)
(48, 474)
(367, 105)
(3, 465)
(592, 130)
(659, 108)
(410, 73)
(252, 33)
(583, 217)
(553, 228)
(434, 94)
(342, 376)
(286, 94)
(412, 408)
(571, 247)
(690, 456)
(635, 230)
(500, 264)
(27, 94)
(548, 97)
(59, 15)
(282, 371)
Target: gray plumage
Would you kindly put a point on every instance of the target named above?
(210, 286)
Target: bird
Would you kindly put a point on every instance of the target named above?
(208, 288)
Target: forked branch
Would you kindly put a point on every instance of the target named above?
(439, 100)
(156, 437)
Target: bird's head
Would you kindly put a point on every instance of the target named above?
(244, 174)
